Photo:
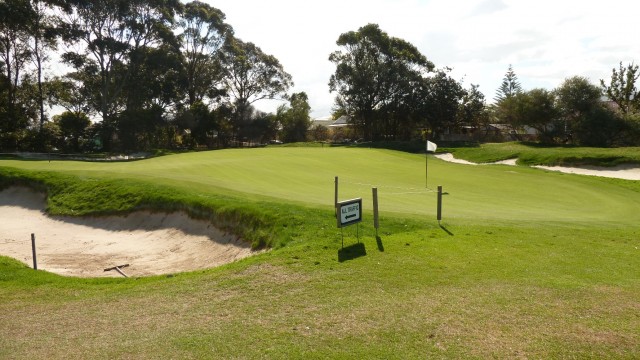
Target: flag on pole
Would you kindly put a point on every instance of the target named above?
(431, 146)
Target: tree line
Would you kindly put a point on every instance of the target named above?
(392, 91)
(577, 111)
(160, 74)
(134, 75)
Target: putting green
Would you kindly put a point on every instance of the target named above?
(306, 175)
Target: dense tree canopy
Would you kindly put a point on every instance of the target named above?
(251, 75)
(443, 96)
(165, 74)
(536, 108)
(154, 73)
(295, 121)
(573, 113)
(204, 34)
(374, 71)
(14, 57)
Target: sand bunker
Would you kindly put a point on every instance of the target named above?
(152, 244)
(449, 157)
(627, 172)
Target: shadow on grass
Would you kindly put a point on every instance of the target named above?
(380, 244)
(351, 252)
(446, 230)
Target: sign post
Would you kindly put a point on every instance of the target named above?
(439, 203)
(335, 197)
(376, 222)
(349, 212)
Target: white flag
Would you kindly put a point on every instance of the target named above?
(431, 146)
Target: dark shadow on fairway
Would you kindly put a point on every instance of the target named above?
(351, 252)
(446, 230)
(380, 245)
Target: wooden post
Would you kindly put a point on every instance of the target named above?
(376, 222)
(335, 198)
(439, 203)
(33, 251)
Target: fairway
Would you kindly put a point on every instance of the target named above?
(306, 175)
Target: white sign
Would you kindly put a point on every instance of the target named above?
(349, 212)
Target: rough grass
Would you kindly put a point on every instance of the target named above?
(481, 292)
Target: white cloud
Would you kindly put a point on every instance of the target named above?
(546, 41)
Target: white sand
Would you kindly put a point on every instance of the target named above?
(448, 157)
(151, 243)
(628, 172)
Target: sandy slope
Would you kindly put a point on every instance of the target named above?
(151, 243)
(628, 172)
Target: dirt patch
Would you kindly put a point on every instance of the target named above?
(151, 243)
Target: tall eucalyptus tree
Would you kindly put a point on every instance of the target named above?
(374, 70)
(203, 35)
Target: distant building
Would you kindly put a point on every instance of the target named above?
(325, 128)
(341, 122)
(325, 121)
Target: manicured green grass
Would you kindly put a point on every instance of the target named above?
(306, 176)
(533, 154)
(527, 264)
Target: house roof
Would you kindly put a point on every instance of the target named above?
(342, 121)
(324, 120)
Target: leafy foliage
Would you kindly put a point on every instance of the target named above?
(622, 88)
(251, 75)
(72, 128)
(375, 77)
(536, 108)
(295, 121)
(140, 67)
(203, 37)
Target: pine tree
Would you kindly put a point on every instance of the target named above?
(509, 87)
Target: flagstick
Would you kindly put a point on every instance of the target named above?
(426, 169)
(434, 147)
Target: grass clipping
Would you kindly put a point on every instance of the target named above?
(151, 243)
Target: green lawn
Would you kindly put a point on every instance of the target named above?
(528, 263)
(306, 175)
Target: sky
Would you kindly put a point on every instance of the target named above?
(545, 41)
